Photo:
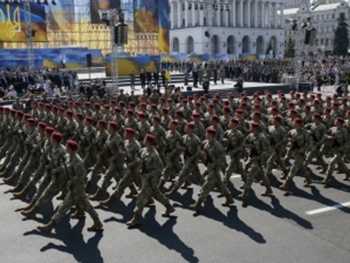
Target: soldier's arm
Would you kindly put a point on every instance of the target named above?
(157, 165)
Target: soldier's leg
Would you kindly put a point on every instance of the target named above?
(11, 160)
(38, 174)
(8, 153)
(270, 163)
(95, 171)
(63, 208)
(184, 174)
(123, 184)
(197, 174)
(22, 164)
(112, 172)
(342, 166)
(253, 172)
(229, 170)
(331, 165)
(43, 185)
(27, 171)
(208, 186)
(142, 198)
(157, 194)
(50, 191)
(297, 165)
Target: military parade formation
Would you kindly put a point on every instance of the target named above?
(151, 145)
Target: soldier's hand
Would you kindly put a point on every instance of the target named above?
(182, 149)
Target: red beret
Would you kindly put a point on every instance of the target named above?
(27, 116)
(277, 117)
(13, 111)
(47, 106)
(34, 102)
(20, 113)
(61, 109)
(239, 111)
(290, 103)
(70, 103)
(211, 105)
(113, 124)
(76, 102)
(41, 104)
(79, 115)
(122, 103)
(131, 104)
(341, 120)
(169, 100)
(198, 103)
(87, 103)
(49, 130)
(156, 118)
(255, 124)
(1, 107)
(215, 118)
(130, 111)
(227, 109)
(316, 101)
(317, 115)
(117, 109)
(328, 109)
(312, 96)
(69, 112)
(165, 110)
(235, 120)
(55, 107)
(175, 122)
(130, 130)
(162, 99)
(89, 119)
(97, 105)
(42, 125)
(150, 138)
(335, 103)
(196, 115)
(154, 106)
(6, 109)
(179, 112)
(298, 120)
(191, 125)
(307, 107)
(141, 114)
(226, 102)
(103, 122)
(211, 130)
(257, 113)
(106, 107)
(143, 104)
(113, 102)
(72, 145)
(348, 112)
(31, 121)
(57, 136)
(293, 111)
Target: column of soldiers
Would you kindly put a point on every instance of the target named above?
(142, 146)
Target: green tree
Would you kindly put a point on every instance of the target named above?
(289, 52)
(341, 37)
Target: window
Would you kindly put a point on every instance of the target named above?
(316, 42)
(317, 17)
(327, 42)
(321, 41)
(322, 17)
(333, 16)
(327, 17)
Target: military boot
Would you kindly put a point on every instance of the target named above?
(78, 215)
(61, 196)
(97, 195)
(268, 191)
(136, 220)
(47, 228)
(97, 225)
(186, 184)
(150, 201)
(88, 186)
(347, 176)
(169, 209)
(108, 202)
(31, 213)
(244, 194)
(30, 206)
(196, 206)
(229, 201)
(22, 194)
(11, 179)
(172, 191)
(326, 180)
(284, 186)
(132, 193)
(161, 184)
(17, 188)
(307, 181)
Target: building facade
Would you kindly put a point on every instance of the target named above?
(227, 27)
(324, 18)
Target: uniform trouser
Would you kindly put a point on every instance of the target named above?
(5, 148)
(43, 185)
(130, 176)
(337, 159)
(115, 170)
(213, 180)
(315, 152)
(39, 173)
(31, 166)
(326, 147)
(298, 165)
(255, 170)
(172, 167)
(57, 183)
(23, 163)
(13, 159)
(276, 157)
(90, 159)
(235, 165)
(101, 163)
(9, 154)
(149, 188)
(189, 167)
(80, 201)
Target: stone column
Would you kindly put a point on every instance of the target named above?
(281, 15)
(201, 15)
(226, 17)
(255, 13)
(179, 14)
(194, 15)
(173, 14)
(241, 13)
(263, 16)
(186, 15)
(233, 13)
(268, 15)
(218, 16)
(275, 15)
(249, 16)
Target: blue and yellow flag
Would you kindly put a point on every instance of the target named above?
(167, 73)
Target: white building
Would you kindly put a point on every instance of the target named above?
(232, 26)
(325, 20)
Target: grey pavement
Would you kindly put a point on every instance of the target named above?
(263, 229)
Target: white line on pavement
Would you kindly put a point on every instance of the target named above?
(328, 208)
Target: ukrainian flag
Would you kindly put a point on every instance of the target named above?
(167, 73)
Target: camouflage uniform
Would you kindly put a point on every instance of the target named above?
(89, 136)
(151, 166)
(199, 130)
(143, 128)
(215, 155)
(159, 133)
(76, 195)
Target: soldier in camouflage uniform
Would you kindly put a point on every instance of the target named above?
(317, 131)
(49, 117)
(72, 125)
(340, 138)
(165, 119)
(36, 145)
(151, 171)
(278, 138)
(75, 171)
(143, 125)
(40, 172)
(234, 141)
(200, 129)
(7, 128)
(132, 172)
(114, 153)
(97, 114)
(87, 109)
(215, 155)
(130, 120)
(158, 131)
(42, 113)
(191, 146)
(55, 171)
(87, 141)
(259, 150)
(300, 144)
